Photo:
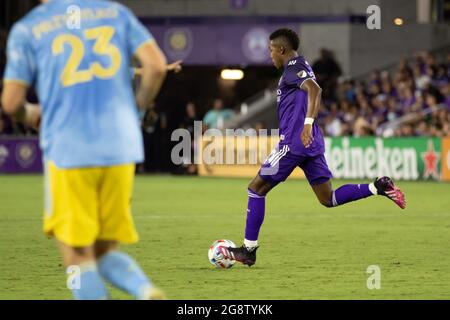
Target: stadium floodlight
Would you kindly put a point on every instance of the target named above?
(232, 74)
(398, 21)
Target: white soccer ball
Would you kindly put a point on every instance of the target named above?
(216, 256)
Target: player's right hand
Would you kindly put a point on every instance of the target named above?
(306, 136)
(176, 66)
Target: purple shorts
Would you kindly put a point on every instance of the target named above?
(281, 162)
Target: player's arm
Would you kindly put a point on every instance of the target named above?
(19, 74)
(314, 96)
(15, 105)
(19, 70)
(142, 44)
(153, 73)
(13, 97)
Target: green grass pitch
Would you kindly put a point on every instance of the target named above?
(307, 251)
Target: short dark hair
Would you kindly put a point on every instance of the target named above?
(289, 35)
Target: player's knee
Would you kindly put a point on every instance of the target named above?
(103, 247)
(77, 257)
(261, 190)
(257, 186)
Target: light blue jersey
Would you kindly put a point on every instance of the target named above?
(78, 54)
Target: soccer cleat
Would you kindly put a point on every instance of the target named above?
(155, 293)
(386, 187)
(243, 255)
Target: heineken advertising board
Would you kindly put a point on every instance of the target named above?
(400, 158)
(414, 158)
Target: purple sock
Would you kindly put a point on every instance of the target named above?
(255, 215)
(350, 192)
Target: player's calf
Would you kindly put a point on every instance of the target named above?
(352, 192)
(326, 202)
(324, 193)
(91, 286)
(124, 273)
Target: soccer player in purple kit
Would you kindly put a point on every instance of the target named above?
(301, 144)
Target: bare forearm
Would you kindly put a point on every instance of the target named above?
(13, 98)
(151, 82)
(314, 98)
(153, 73)
(314, 95)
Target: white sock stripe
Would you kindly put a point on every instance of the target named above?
(253, 193)
(254, 196)
(250, 243)
(333, 199)
(372, 189)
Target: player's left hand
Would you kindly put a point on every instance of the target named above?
(32, 115)
(176, 66)
(306, 136)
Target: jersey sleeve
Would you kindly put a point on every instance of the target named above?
(138, 34)
(21, 62)
(296, 74)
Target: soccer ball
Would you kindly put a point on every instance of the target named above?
(216, 256)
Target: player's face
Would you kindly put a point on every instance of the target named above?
(276, 54)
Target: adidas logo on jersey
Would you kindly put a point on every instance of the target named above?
(303, 74)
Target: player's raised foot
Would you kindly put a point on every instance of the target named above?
(386, 187)
(243, 255)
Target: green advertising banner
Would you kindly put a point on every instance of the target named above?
(400, 158)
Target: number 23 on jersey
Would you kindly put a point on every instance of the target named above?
(72, 74)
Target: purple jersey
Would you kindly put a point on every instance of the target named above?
(292, 106)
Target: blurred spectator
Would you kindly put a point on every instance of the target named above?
(3, 40)
(333, 124)
(189, 167)
(421, 129)
(419, 88)
(2, 126)
(361, 127)
(406, 130)
(156, 141)
(327, 71)
(190, 118)
(445, 90)
(217, 117)
(260, 128)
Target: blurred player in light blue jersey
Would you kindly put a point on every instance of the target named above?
(77, 53)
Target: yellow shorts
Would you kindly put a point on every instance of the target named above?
(83, 205)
